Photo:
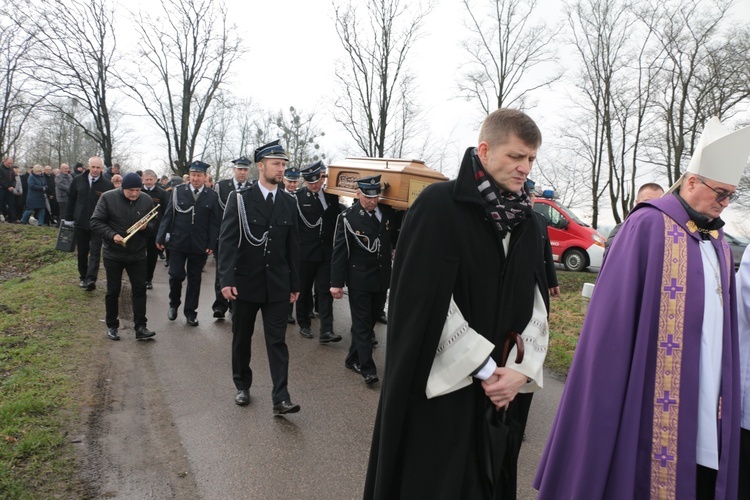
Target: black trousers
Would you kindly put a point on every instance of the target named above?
(89, 247)
(136, 270)
(152, 255)
(364, 307)
(274, 328)
(220, 303)
(8, 205)
(744, 491)
(317, 274)
(705, 483)
(181, 265)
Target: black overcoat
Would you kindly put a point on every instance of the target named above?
(191, 232)
(82, 198)
(448, 246)
(268, 272)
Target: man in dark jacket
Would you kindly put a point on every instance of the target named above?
(118, 212)
(190, 230)
(159, 197)
(7, 189)
(83, 195)
(317, 212)
(475, 240)
(258, 268)
(362, 250)
(224, 188)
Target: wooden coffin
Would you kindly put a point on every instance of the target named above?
(402, 180)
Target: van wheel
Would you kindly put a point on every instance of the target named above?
(574, 260)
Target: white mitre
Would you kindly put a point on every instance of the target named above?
(720, 155)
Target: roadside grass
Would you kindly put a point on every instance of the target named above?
(44, 343)
(566, 320)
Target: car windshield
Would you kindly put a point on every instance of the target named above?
(736, 240)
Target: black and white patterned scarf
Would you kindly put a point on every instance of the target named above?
(506, 208)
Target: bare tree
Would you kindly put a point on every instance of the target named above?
(75, 49)
(375, 102)
(16, 102)
(504, 47)
(299, 134)
(703, 72)
(52, 138)
(184, 56)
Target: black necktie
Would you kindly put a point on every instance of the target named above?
(239, 186)
(317, 199)
(269, 202)
(195, 194)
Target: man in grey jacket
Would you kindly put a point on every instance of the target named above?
(62, 185)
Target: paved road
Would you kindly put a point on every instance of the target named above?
(245, 452)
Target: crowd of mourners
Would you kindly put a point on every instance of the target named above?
(42, 192)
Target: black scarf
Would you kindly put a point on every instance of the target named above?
(506, 207)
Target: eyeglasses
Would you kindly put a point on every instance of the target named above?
(721, 195)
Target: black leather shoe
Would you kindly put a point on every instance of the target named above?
(149, 285)
(192, 321)
(112, 334)
(284, 407)
(382, 318)
(306, 332)
(82, 284)
(371, 378)
(90, 286)
(353, 366)
(327, 337)
(172, 313)
(243, 397)
(166, 262)
(374, 341)
(219, 314)
(143, 333)
(311, 315)
(290, 320)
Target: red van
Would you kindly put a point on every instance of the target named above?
(575, 244)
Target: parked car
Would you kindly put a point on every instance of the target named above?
(738, 246)
(575, 244)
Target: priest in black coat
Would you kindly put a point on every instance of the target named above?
(475, 240)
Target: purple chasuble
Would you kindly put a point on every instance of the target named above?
(627, 423)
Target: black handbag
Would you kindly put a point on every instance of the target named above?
(65, 240)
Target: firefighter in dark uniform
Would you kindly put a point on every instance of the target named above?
(190, 230)
(259, 270)
(159, 197)
(291, 180)
(224, 188)
(317, 211)
(362, 248)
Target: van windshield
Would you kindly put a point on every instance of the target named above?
(571, 215)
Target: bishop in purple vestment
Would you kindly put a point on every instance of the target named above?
(651, 406)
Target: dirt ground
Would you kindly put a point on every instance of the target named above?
(129, 446)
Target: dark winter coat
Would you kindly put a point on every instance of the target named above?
(430, 448)
(35, 199)
(114, 214)
(82, 199)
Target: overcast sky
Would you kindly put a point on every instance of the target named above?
(291, 58)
